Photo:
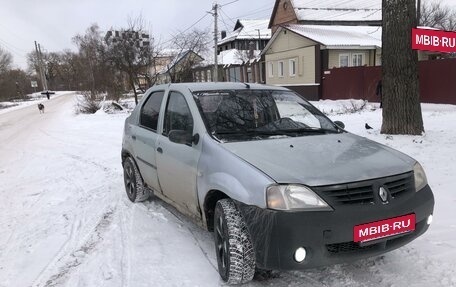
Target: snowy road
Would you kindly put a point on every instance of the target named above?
(65, 220)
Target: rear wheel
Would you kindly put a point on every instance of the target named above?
(235, 254)
(134, 186)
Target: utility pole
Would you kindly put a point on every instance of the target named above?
(40, 66)
(215, 9)
(259, 39)
(44, 70)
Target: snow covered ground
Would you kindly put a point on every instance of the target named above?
(66, 221)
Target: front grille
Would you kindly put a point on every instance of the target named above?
(347, 247)
(362, 192)
(400, 186)
(350, 195)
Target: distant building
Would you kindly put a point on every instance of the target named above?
(179, 68)
(246, 35)
(139, 39)
(329, 12)
(239, 54)
(298, 55)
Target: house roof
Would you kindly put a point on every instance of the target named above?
(177, 59)
(236, 57)
(248, 29)
(366, 11)
(231, 57)
(339, 36)
(337, 10)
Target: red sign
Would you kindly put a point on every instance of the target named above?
(433, 40)
(384, 228)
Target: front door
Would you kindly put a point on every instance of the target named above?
(177, 163)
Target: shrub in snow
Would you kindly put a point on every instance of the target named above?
(87, 104)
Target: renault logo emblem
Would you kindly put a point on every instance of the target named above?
(383, 194)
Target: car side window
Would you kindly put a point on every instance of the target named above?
(150, 110)
(177, 115)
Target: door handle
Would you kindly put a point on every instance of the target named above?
(160, 150)
(133, 137)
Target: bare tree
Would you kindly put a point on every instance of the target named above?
(131, 53)
(436, 15)
(14, 84)
(187, 49)
(401, 99)
(95, 71)
(5, 60)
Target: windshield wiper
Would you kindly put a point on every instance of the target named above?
(306, 130)
(277, 132)
(248, 132)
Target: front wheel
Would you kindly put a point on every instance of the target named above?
(234, 249)
(134, 186)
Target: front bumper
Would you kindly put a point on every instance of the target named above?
(328, 235)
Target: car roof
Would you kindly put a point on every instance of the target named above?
(208, 86)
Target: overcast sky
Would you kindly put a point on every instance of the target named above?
(53, 23)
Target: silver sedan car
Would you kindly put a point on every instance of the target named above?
(281, 186)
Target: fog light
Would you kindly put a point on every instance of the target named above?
(300, 254)
(429, 220)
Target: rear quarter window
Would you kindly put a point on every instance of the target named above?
(150, 111)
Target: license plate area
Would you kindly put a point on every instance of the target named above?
(384, 228)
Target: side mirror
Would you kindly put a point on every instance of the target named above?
(340, 124)
(183, 137)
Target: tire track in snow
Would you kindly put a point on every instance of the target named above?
(80, 227)
(61, 253)
(125, 264)
(182, 221)
(77, 256)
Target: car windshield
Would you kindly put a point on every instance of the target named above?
(255, 114)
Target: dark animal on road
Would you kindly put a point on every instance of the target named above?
(41, 108)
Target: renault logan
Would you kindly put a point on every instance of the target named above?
(281, 186)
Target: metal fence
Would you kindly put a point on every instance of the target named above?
(437, 82)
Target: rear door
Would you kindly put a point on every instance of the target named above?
(145, 143)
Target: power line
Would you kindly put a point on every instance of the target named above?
(12, 47)
(182, 32)
(222, 5)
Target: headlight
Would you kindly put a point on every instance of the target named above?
(420, 176)
(293, 197)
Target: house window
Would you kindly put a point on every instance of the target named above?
(292, 66)
(270, 69)
(209, 75)
(357, 59)
(344, 60)
(280, 68)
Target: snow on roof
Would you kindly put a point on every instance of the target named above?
(179, 57)
(338, 10)
(236, 57)
(332, 36)
(232, 57)
(248, 29)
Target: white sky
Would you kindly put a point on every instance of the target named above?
(53, 23)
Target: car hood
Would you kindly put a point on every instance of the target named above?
(322, 159)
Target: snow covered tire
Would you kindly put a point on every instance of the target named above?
(134, 186)
(233, 247)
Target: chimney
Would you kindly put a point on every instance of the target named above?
(223, 34)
